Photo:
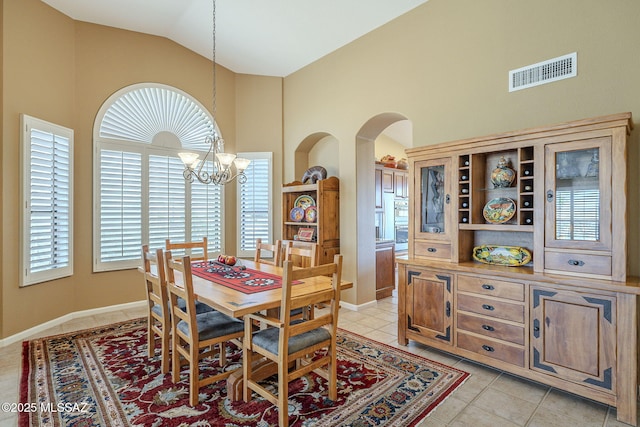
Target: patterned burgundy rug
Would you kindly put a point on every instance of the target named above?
(102, 377)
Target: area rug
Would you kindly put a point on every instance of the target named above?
(103, 377)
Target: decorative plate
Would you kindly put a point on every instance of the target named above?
(311, 214)
(304, 202)
(511, 256)
(296, 214)
(499, 210)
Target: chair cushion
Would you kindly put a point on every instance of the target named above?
(200, 307)
(213, 324)
(268, 339)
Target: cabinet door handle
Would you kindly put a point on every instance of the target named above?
(549, 196)
(575, 262)
(431, 249)
(488, 307)
(488, 287)
(488, 328)
(447, 199)
(487, 348)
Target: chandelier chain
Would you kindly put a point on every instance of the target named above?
(217, 167)
(213, 59)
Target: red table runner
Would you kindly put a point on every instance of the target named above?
(245, 280)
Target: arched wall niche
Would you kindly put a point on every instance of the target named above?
(320, 148)
(401, 130)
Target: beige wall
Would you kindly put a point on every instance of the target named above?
(259, 128)
(1, 154)
(445, 65)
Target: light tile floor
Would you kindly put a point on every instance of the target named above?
(488, 398)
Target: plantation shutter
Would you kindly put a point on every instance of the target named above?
(255, 203)
(167, 218)
(48, 201)
(120, 206)
(206, 213)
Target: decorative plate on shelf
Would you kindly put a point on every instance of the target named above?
(511, 256)
(311, 214)
(499, 210)
(304, 202)
(296, 214)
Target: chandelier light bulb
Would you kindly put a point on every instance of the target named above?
(241, 163)
(190, 160)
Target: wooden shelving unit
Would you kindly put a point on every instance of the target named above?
(326, 194)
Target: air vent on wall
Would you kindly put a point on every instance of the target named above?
(543, 72)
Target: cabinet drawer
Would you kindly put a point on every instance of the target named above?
(491, 327)
(505, 352)
(578, 263)
(432, 250)
(490, 287)
(492, 308)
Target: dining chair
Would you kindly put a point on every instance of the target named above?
(158, 318)
(303, 254)
(195, 336)
(284, 342)
(275, 249)
(188, 248)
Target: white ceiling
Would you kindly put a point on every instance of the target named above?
(261, 37)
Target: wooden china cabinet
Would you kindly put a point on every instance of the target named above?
(518, 257)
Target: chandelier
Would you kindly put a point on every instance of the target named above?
(217, 167)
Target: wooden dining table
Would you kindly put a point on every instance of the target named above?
(236, 303)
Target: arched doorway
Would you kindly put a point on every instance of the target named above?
(365, 203)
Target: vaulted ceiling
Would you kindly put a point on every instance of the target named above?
(261, 37)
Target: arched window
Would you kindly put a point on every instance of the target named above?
(140, 194)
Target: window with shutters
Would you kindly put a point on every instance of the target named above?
(255, 203)
(47, 201)
(140, 193)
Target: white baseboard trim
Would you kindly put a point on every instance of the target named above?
(358, 307)
(21, 336)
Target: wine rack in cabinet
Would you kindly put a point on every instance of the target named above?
(495, 197)
(486, 203)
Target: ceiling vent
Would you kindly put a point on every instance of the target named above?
(543, 72)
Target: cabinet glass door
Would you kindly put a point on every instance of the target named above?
(433, 209)
(578, 195)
